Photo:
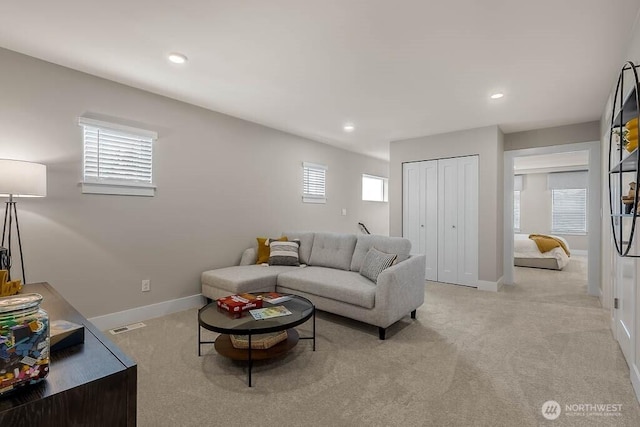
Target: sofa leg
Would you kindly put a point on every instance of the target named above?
(413, 314)
(209, 300)
(381, 333)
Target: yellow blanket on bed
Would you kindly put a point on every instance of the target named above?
(546, 243)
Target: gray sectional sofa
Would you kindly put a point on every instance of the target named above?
(331, 279)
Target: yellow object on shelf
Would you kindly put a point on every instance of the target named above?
(633, 123)
(8, 288)
(631, 145)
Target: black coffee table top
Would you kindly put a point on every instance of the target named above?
(214, 319)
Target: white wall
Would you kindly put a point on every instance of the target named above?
(535, 210)
(487, 142)
(569, 134)
(221, 182)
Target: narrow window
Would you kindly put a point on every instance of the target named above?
(314, 183)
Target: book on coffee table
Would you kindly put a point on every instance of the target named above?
(269, 312)
(275, 298)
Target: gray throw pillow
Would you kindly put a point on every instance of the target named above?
(375, 262)
(284, 253)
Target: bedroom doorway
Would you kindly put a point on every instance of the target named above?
(554, 191)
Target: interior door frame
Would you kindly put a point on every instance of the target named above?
(594, 208)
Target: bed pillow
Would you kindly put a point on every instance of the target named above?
(263, 248)
(284, 253)
(375, 262)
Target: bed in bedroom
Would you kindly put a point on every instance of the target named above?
(527, 254)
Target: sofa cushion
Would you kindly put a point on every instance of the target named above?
(284, 253)
(246, 278)
(332, 250)
(306, 242)
(264, 250)
(340, 285)
(374, 262)
(390, 245)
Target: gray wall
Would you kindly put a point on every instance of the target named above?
(221, 182)
(569, 134)
(535, 210)
(486, 142)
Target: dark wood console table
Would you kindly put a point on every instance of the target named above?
(90, 384)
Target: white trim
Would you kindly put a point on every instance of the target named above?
(485, 285)
(119, 189)
(594, 222)
(550, 170)
(635, 380)
(146, 312)
(85, 121)
(314, 165)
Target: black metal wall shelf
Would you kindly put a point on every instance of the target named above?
(623, 169)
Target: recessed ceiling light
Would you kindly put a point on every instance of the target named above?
(177, 58)
(349, 127)
(497, 95)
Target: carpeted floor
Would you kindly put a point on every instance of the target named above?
(470, 358)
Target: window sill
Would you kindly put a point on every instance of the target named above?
(118, 189)
(565, 233)
(307, 199)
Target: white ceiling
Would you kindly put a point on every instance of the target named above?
(396, 69)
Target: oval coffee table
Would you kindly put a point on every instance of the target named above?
(212, 318)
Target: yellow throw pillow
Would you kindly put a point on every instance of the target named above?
(263, 248)
(633, 123)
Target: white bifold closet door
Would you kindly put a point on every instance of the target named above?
(440, 217)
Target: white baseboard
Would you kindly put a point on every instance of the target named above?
(146, 312)
(484, 285)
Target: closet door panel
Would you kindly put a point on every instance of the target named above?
(468, 221)
(430, 185)
(447, 221)
(411, 201)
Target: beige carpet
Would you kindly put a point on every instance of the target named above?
(471, 358)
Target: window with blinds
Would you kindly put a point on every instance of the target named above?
(516, 210)
(314, 183)
(117, 159)
(569, 211)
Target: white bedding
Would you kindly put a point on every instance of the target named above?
(524, 247)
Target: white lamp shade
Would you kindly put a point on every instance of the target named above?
(22, 179)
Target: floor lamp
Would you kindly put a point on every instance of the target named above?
(18, 179)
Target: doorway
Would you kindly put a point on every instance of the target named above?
(593, 238)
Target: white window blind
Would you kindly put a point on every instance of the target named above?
(314, 183)
(117, 159)
(516, 210)
(569, 210)
(374, 188)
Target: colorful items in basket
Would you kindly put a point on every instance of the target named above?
(8, 288)
(24, 342)
(237, 304)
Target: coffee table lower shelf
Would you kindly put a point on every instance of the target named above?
(224, 347)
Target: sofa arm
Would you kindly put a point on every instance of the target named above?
(249, 256)
(400, 288)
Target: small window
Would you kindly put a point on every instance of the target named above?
(117, 159)
(314, 183)
(569, 211)
(516, 210)
(375, 188)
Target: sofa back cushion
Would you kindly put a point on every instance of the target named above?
(306, 242)
(390, 245)
(332, 250)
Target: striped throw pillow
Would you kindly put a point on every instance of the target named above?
(284, 253)
(375, 262)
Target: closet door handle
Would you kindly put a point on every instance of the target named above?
(422, 226)
(453, 226)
